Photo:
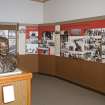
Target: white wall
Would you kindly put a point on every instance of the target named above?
(23, 11)
(62, 10)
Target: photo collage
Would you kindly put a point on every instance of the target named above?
(28, 40)
(89, 46)
(32, 43)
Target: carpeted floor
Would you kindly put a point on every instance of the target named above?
(52, 91)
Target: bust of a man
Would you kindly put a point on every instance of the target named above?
(7, 61)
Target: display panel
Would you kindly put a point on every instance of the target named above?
(28, 39)
(89, 46)
(47, 44)
(93, 44)
(64, 36)
(11, 36)
(32, 43)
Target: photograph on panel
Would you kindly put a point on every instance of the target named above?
(12, 34)
(103, 36)
(103, 45)
(93, 44)
(12, 46)
(32, 38)
(76, 46)
(47, 44)
(32, 42)
(4, 33)
(64, 50)
(57, 43)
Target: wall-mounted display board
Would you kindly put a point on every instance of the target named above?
(90, 46)
(72, 43)
(47, 44)
(93, 50)
(49, 40)
(86, 40)
(46, 39)
(57, 43)
(28, 39)
(11, 36)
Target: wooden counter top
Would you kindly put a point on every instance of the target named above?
(13, 78)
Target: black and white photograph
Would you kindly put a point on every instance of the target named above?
(63, 43)
(103, 45)
(12, 34)
(4, 33)
(12, 46)
(47, 43)
(76, 46)
(47, 35)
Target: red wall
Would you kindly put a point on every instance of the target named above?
(68, 26)
(84, 25)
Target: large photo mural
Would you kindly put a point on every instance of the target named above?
(89, 46)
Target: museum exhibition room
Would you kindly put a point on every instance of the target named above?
(52, 52)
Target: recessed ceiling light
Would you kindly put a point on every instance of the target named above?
(43, 1)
